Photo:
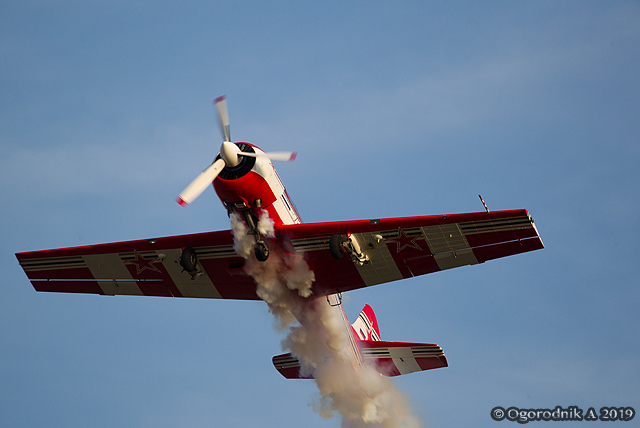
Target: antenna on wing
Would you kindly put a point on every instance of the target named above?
(485, 205)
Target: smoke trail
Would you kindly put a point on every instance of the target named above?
(317, 336)
(278, 278)
(359, 394)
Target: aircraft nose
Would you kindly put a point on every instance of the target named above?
(229, 152)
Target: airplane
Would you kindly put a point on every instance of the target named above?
(343, 255)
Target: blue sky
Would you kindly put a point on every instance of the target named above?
(396, 109)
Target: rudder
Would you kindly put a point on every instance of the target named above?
(366, 326)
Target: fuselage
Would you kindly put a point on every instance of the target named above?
(353, 338)
(255, 185)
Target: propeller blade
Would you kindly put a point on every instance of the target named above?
(223, 116)
(279, 156)
(202, 181)
(282, 156)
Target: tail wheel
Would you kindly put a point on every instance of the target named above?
(336, 247)
(262, 251)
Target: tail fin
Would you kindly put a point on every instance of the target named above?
(366, 326)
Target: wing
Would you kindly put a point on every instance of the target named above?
(400, 248)
(148, 267)
(397, 248)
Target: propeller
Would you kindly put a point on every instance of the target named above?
(230, 155)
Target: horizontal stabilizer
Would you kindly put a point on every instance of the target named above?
(387, 358)
(398, 358)
(288, 366)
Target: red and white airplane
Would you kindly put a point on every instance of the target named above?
(344, 255)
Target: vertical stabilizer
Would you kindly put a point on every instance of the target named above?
(366, 326)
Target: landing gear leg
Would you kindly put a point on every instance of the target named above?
(262, 250)
(338, 245)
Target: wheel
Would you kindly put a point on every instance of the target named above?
(188, 260)
(335, 246)
(262, 251)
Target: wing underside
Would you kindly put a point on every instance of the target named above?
(149, 267)
(397, 248)
(400, 248)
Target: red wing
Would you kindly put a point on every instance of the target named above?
(405, 247)
(397, 248)
(143, 267)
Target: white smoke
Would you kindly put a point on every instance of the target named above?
(359, 394)
(317, 336)
(276, 278)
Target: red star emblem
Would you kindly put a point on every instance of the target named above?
(403, 241)
(141, 263)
